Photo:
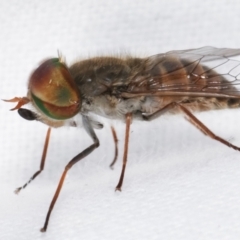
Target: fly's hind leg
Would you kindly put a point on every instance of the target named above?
(192, 119)
(197, 123)
(159, 112)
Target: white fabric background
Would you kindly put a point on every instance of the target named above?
(179, 184)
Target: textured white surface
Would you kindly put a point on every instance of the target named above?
(179, 184)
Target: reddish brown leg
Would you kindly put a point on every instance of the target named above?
(198, 124)
(204, 129)
(80, 156)
(159, 112)
(44, 154)
(128, 122)
(116, 147)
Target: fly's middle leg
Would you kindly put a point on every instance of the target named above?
(128, 123)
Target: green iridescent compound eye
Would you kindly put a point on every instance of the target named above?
(54, 91)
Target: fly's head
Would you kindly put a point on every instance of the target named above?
(53, 94)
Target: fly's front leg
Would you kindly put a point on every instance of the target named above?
(44, 154)
(88, 127)
(128, 122)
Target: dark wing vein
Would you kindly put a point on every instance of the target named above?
(205, 71)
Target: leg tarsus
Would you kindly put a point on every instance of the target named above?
(42, 163)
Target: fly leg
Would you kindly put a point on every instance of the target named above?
(159, 112)
(116, 146)
(197, 123)
(128, 122)
(204, 129)
(88, 127)
(44, 154)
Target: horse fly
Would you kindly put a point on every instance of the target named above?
(128, 88)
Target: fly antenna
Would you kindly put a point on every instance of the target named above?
(20, 102)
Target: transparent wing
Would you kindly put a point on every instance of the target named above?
(206, 71)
